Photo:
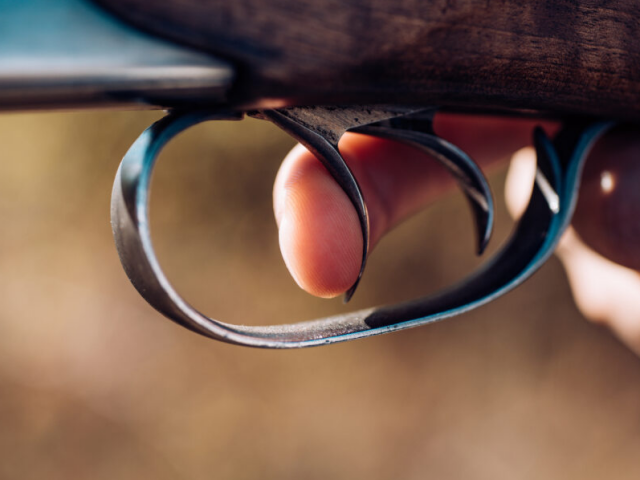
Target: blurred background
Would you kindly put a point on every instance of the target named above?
(95, 384)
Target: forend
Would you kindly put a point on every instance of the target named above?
(561, 57)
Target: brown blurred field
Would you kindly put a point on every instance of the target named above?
(96, 385)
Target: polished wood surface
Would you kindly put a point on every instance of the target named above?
(561, 56)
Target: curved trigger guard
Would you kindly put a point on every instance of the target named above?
(533, 241)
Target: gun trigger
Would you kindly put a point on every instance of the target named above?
(416, 130)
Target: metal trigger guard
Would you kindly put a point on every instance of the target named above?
(320, 128)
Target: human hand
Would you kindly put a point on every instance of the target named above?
(605, 234)
(320, 236)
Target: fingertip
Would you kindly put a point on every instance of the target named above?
(319, 231)
(287, 174)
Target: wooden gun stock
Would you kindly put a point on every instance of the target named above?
(556, 57)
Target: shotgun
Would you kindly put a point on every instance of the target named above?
(320, 68)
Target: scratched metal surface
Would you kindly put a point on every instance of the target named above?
(94, 384)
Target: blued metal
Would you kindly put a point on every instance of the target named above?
(533, 241)
(416, 130)
(325, 148)
(71, 53)
(320, 130)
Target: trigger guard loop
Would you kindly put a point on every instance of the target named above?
(537, 233)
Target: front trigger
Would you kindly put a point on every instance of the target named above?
(320, 129)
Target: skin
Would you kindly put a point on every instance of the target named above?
(320, 234)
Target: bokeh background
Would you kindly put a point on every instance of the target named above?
(94, 384)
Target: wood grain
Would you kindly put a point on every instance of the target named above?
(558, 56)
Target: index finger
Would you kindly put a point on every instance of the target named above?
(320, 235)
